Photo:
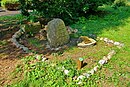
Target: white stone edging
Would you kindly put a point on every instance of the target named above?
(101, 62)
(16, 36)
(108, 41)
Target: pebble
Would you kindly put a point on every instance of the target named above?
(105, 58)
(80, 77)
(44, 59)
(110, 41)
(101, 62)
(25, 49)
(96, 68)
(116, 43)
(56, 49)
(109, 57)
(101, 38)
(91, 71)
(86, 75)
(106, 39)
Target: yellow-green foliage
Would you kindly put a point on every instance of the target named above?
(4, 2)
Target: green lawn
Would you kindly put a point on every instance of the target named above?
(111, 23)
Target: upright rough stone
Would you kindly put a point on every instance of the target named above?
(57, 34)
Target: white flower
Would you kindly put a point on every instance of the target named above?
(66, 72)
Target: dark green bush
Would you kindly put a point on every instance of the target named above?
(68, 10)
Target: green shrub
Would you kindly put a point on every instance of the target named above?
(10, 4)
(118, 3)
(68, 10)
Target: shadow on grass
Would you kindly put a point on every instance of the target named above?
(105, 19)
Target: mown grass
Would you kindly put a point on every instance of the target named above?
(111, 23)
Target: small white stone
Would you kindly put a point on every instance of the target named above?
(18, 45)
(80, 77)
(66, 72)
(106, 39)
(101, 62)
(105, 58)
(87, 75)
(56, 49)
(25, 49)
(121, 45)
(101, 38)
(116, 43)
(109, 57)
(91, 71)
(110, 41)
(13, 40)
(44, 59)
(52, 48)
(48, 46)
(96, 68)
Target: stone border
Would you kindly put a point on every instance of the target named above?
(108, 41)
(101, 62)
(14, 39)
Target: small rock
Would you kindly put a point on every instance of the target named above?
(116, 43)
(66, 72)
(18, 45)
(75, 77)
(14, 36)
(110, 41)
(101, 62)
(105, 58)
(95, 68)
(25, 49)
(101, 38)
(48, 46)
(56, 49)
(109, 57)
(80, 77)
(106, 39)
(87, 75)
(44, 59)
(21, 46)
(91, 71)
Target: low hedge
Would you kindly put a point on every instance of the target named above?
(68, 10)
